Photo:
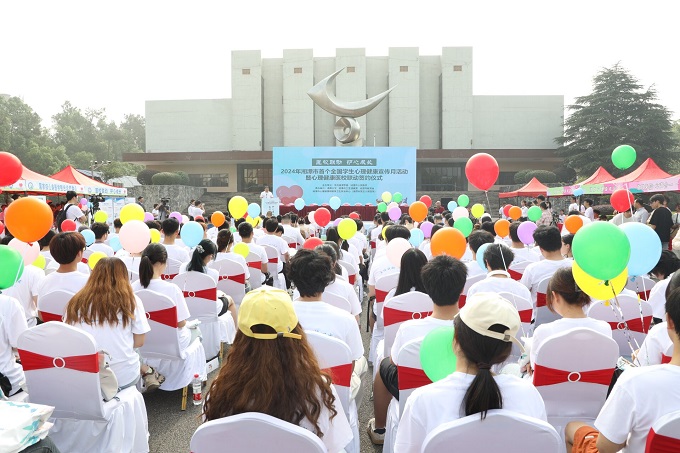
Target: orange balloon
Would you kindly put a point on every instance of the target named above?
(515, 212)
(217, 219)
(28, 219)
(448, 241)
(502, 228)
(418, 211)
(573, 223)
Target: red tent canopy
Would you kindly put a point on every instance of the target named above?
(532, 189)
(35, 183)
(601, 175)
(87, 185)
(645, 172)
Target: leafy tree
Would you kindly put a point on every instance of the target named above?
(46, 160)
(133, 129)
(77, 131)
(618, 111)
(184, 178)
(144, 176)
(565, 174)
(82, 160)
(521, 177)
(118, 169)
(19, 127)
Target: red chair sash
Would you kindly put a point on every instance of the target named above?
(411, 378)
(635, 324)
(292, 245)
(255, 265)
(461, 301)
(394, 316)
(168, 276)
(372, 244)
(239, 278)
(657, 443)
(341, 374)
(526, 315)
(515, 275)
(32, 361)
(83, 260)
(541, 300)
(47, 317)
(167, 316)
(644, 295)
(273, 260)
(665, 358)
(210, 293)
(380, 295)
(352, 279)
(550, 376)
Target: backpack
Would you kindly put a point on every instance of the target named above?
(61, 216)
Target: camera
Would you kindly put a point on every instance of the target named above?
(95, 200)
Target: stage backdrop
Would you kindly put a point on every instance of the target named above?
(355, 174)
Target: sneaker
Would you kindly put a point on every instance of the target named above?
(152, 380)
(377, 436)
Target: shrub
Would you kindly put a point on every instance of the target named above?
(565, 174)
(184, 178)
(166, 179)
(144, 176)
(521, 177)
(544, 176)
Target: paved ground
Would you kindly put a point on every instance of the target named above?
(171, 429)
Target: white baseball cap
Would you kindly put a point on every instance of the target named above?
(483, 310)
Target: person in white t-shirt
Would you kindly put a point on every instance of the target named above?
(25, 290)
(101, 235)
(272, 370)
(498, 258)
(589, 209)
(270, 238)
(641, 214)
(12, 324)
(622, 217)
(175, 250)
(245, 232)
(290, 231)
(665, 268)
(266, 193)
(339, 286)
(225, 242)
(381, 264)
(73, 211)
(521, 252)
(574, 206)
(476, 239)
(484, 331)
(196, 209)
(379, 221)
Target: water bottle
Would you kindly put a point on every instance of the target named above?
(196, 390)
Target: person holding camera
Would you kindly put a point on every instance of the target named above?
(163, 209)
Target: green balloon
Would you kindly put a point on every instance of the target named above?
(463, 200)
(534, 213)
(464, 225)
(436, 353)
(601, 249)
(382, 206)
(397, 197)
(11, 266)
(232, 229)
(623, 156)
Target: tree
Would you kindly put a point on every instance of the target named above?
(19, 127)
(521, 177)
(133, 129)
(618, 111)
(46, 160)
(118, 169)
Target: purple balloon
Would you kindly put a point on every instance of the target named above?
(526, 232)
(394, 213)
(177, 216)
(426, 228)
(148, 217)
(336, 222)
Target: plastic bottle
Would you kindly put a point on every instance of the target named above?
(196, 390)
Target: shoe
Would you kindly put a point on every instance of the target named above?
(152, 380)
(378, 438)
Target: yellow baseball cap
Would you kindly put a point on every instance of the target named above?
(270, 307)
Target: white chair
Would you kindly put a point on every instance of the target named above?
(664, 436)
(161, 348)
(642, 285)
(254, 263)
(290, 241)
(86, 256)
(468, 283)
(412, 305)
(625, 319)
(572, 373)
(667, 355)
(171, 269)
(516, 269)
(542, 314)
(526, 310)
(351, 269)
(273, 257)
(252, 431)
(52, 306)
(61, 364)
(232, 280)
(134, 276)
(497, 432)
(383, 285)
(337, 301)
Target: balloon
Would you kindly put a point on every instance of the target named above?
(395, 250)
(386, 197)
(312, 243)
(322, 217)
(254, 210)
(148, 217)
(185, 219)
(427, 200)
(336, 222)
(68, 225)
(417, 237)
(95, 257)
(242, 249)
(623, 156)
(426, 228)
(464, 225)
(176, 215)
(131, 211)
(89, 237)
(502, 228)
(83, 202)
(354, 215)
(578, 192)
(392, 205)
(310, 216)
(645, 248)
(28, 252)
(459, 213)
(299, 204)
(598, 289)
(397, 197)
(622, 200)
(418, 211)
(11, 266)
(40, 262)
(451, 205)
(436, 353)
(347, 228)
(515, 212)
(463, 200)
(233, 229)
(573, 223)
(525, 231)
(534, 213)
(102, 216)
(477, 210)
(394, 213)
(191, 234)
(506, 210)
(482, 171)
(2, 227)
(115, 244)
(135, 236)
(334, 202)
(384, 231)
(448, 241)
(218, 218)
(29, 219)
(382, 206)
(601, 249)
(155, 235)
(11, 169)
(480, 255)
(238, 206)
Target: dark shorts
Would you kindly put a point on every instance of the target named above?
(389, 376)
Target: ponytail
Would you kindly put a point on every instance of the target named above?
(145, 271)
(224, 240)
(152, 254)
(204, 248)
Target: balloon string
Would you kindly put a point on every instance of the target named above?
(626, 329)
(642, 318)
(488, 203)
(630, 205)
(514, 302)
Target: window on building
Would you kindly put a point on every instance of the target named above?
(351, 69)
(403, 68)
(440, 177)
(297, 70)
(253, 178)
(245, 71)
(506, 178)
(457, 68)
(209, 180)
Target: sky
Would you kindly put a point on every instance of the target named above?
(116, 55)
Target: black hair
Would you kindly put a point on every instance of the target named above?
(589, 201)
(444, 279)
(384, 217)
(152, 254)
(64, 247)
(224, 239)
(279, 229)
(170, 226)
(498, 257)
(479, 238)
(658, 197)
(488, 227)
(204, 248)
(311, 272)
(139, 197)
(332, 235)
(412, 262)
(70, 194)
(99, 229)
(639, 201)
(359, 223)
(543, 205)
(293, 218)
(673, 308)
(562, 282)
(548, 238)
(435, 228)
(397, 231)
(117, 223)
(514, 237)
(245, 230)
(330, 249)
(45, 240)
(271, 225)
(668, 263)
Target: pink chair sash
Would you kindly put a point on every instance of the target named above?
(47, 317)
(411, 378)
(341, 374)
(635, 324)
(255, 265)
(394, 316)
(167, 316)
(238, 278)
(168, 276)
(210, 293)
(550, 376)
(656, 443)
(33, 361)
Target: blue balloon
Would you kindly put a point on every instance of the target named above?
(253, 209)
(334, 202)
(480, 255)
(115, 244)
(578, 192)
(645, 248)
(191, 234)
(451, 205)
(299, 204)
(417, 237)
(89, 236)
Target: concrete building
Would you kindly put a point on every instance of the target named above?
(225, 144)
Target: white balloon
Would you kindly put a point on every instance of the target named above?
(310, 216)
(28, 252)
(392, 205)
(185, 219)
(396, 249)
(459, 213)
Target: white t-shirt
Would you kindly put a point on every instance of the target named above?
(265, 194)
(326, 319)
(174, 293)
(381, 266)
(260, 251)
(25, 289)
(178, 252)
(206, 270)
(65, 281)
(576, 207)
(589, 213)
(350, 256)
(344, 289)
(118, 341)
(524, 254)
(336, 432)
(438, 403)
(101, 247)
(544, 331)
(12, 324)
(655, 345)
(619, 219)
(641, 215)
(279, 244)
(639, 398)
(657, 298)
(375, 232)
(234, 257)
(132, 263)
(359, 241)
(535, 272)
(473, 269)
(74, 213)
(292, 232)
(500, 285)
(415, 328)
(193, 211)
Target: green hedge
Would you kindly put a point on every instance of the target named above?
(166, 179)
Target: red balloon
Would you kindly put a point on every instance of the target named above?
(311, 243)
(354, 215)
(2, 227)
(482, 171)
(622, 200)
(68, 225)
(322, 216)
(427, 200)
(11, 169)
(506, 210)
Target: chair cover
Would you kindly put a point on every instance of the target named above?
(642, 285)
(412, 305)
(172, 269)
(542, 314)
(232, 280)
(664, 437)
(516, 269)
(468, 283)
(383, 285)
(254, 263)
(52, 306)
(273, 257)
(629, 320)
(525, 309)
(337, 301)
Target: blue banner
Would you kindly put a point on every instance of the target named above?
(354, 174)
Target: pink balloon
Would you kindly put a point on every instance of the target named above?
(426, 228)
(148, 217)
(394, 213)
(526, 232)
(28, 252)
(396, 249)
(134, 236)
(336, 222)
(177, 216)
(310, 216)
(83, 201)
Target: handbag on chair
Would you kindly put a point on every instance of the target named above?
(107, 380)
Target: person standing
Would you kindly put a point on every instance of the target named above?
(140, 201)
(661, 219)
(641, 214)
(589, 209)
(72, 211)
(266, 193)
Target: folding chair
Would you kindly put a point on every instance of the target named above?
(526, 310)
(254, 263)
(667, 355)
(290, 241)
(516, 269)
(664, 436)
(468, 283)
(337, 301)
(273, 257)
(642, 285)
(232, 280)
(398, 309)
(52, 306)
(625, 321)
(542, 313)
(383, 285)
(171, 269)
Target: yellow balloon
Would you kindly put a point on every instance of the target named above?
(94, 259)
(386, 197)
(131, 211)
(238, 206)
(598, 289)
(40, 262)
(101, 217)
(477, 210)
(242, 249)
(384, 230)
(347, 228)
(155, 235)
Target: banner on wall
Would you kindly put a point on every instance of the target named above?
(354, 174)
